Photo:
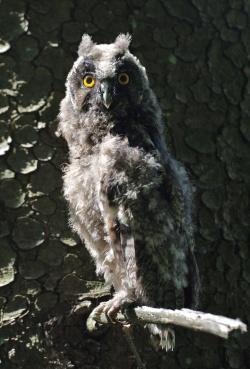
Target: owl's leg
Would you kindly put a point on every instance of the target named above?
(120, 239)
(111, 307)
(109, 213)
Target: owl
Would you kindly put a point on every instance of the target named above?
(130, 201)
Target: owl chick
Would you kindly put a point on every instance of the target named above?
(129, 200)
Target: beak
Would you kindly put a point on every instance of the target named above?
(106, 93)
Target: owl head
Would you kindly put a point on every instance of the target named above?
(107, 77)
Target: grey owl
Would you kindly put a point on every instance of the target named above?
(129, 199)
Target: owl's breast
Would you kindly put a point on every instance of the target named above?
(129, 170)
(80, 190)
(134, 132)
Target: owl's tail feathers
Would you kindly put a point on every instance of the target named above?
(161, 336)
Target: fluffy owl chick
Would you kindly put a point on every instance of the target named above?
(129, 200)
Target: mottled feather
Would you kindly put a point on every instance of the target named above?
(129, 199)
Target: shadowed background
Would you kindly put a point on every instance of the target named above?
(196, 53)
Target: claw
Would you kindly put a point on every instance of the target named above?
(111, 308)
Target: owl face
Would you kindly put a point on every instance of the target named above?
(106, 77)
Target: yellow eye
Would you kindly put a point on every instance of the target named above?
(89, 81)
(123, 79)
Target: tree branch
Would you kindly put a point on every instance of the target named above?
(195, 320)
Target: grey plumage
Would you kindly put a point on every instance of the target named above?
(129, 200)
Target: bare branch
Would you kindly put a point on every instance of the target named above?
(195, 320)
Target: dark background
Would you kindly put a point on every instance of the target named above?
(197, 56)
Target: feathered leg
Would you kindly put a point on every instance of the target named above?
(122, 245)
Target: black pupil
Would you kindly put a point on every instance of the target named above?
(123, 78)
(89, 80)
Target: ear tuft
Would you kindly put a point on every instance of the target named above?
(85, 45)
(123, 41)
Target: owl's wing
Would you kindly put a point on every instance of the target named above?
(183, 197)
(151, 236)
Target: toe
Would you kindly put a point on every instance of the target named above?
(112, 313)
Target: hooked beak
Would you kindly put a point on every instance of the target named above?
(106, 94)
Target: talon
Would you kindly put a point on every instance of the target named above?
(111, 312)
(110, 309)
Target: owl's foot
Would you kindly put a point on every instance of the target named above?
(111, 307)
